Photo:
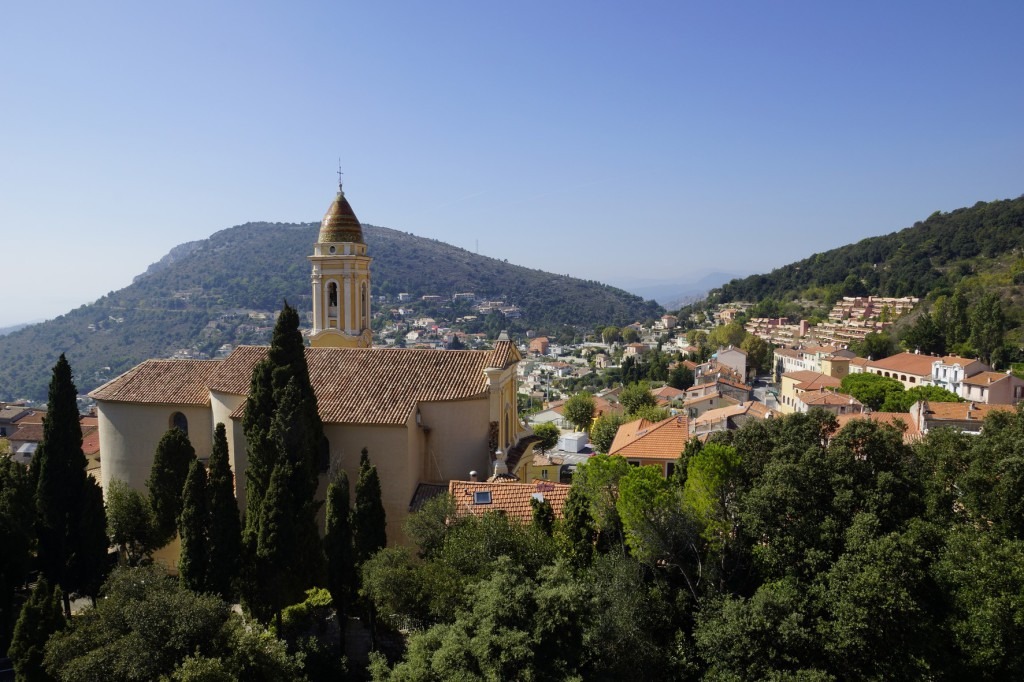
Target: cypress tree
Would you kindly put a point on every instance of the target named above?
(193, 562)
(578, 530)
(369, 523)
(17, 535)
(64, 501)
(41, 616)
(285, 440)
(166, 483)
(543, 515)
(224, 535)
(278, 583)
(338, 544)
(89, 565)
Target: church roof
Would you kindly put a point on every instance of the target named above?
(340, 223)
(375, 385)
(178, 382)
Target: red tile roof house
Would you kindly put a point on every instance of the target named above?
(993, 388)
(643, 442)
(508, 497)
(914, 369)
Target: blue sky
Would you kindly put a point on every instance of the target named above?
(608, 140)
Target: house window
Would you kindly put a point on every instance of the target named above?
(544, 474)
(634, 462)
(670, 468)
(482, 497)
(178, 420)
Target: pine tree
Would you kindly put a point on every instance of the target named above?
(193, 564)
(369, 523)
(224, 536)
(64, 500)
(41, 616)
(338, 543)
(166, 483)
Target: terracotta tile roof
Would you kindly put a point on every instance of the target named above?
(968, 411)
(829, 398)
(179, 382)
(985, 378)
(667, 392)
(90, 440)
(858, 361)
(807, 380)
(375, 385)
(506, 496)
(29, 433)
(907, 363)
(642, 439)
(752, 408)
(901, 420)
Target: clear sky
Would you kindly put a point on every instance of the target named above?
(609, 140)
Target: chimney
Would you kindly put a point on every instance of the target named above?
(473, 477)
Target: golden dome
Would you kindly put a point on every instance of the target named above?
(340, 223)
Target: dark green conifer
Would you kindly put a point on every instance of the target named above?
(166, 483)
(338, 543)
(543, 515)
(280, 581)
(64, 501)
(17, 535)
(369, 524)
(89, 565)
(578, 530)
(224, 535)
(193, 562)
(41, 616)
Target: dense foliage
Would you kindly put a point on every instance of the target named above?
(197, 295)
(788, 549)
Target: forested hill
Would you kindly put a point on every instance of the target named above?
(931, 255)
(255, 266)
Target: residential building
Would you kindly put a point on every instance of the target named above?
(643, 442)
(795, 386)
(968, 417)
(993, 388)
(508, 497)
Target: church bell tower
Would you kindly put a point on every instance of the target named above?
(341, 280)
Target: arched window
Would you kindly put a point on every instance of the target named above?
(180, 421)
(332, 294)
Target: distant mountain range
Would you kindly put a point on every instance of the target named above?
(674, 293)
(199, 295)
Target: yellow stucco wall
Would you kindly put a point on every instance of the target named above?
(129, 434)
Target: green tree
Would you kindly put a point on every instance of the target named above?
(17, 535)
(876, 345)
(759, 354)
(579, 411)
(41, 617)
(338, 543)
(224, 535)
(630, 335)
(602, 434)
(543, 515)
(577, 532)
(636, 396)
(900, 401)
(193, 525)
(731, 334)
(65, 496)
(988, 325)
(130, 522)
(369, 523)
(611, 334)
(147, 626)
(548, 434)
(681, 377)
(872, 390)
(278, 581)
(166, 482)
(925, 336)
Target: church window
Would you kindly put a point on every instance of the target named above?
(363, 297)
(180, 421)
(332, 295)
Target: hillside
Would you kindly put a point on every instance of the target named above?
(931, 256)
(199, 296)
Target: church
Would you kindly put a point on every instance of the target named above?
(425, 416)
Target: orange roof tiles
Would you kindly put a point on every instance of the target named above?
(506, 496)
(829, 398)
(985, 378)
(180, 382)
(963, 411)
(900, 420)
(907, 363)
(375, 385)
(807, 380)
(643, 439)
